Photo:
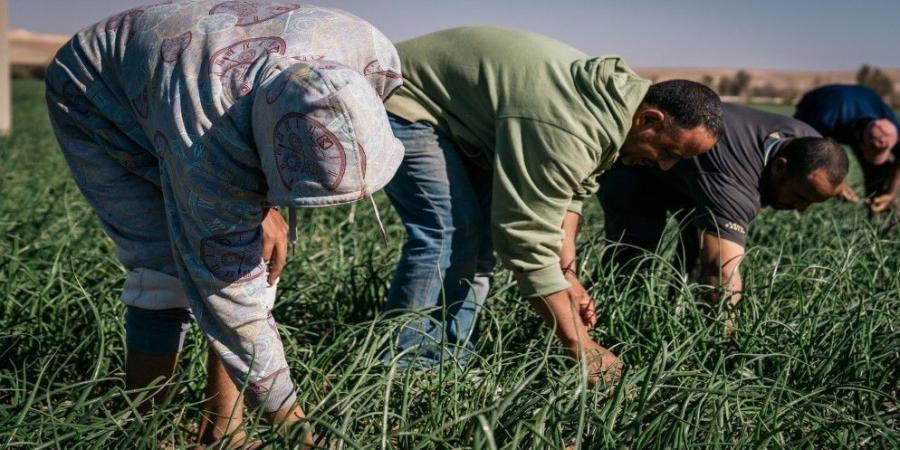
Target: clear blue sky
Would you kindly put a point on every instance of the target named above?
(784, 34)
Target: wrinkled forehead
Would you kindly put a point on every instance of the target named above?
(692, 141)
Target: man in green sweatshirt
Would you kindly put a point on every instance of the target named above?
(505, 134)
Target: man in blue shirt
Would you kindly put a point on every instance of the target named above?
(858, 117)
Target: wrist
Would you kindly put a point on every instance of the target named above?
(569, 270)
(572, 333)
(576, 343)
(559, 313)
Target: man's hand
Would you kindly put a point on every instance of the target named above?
(560, 311)
(583, 302)
(881, 203)
(602, 364)
(846, 193)
(275, 243)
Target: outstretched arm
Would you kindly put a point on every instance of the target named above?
(568, 262)
(538, 174)
(571, 312)
(567, 310)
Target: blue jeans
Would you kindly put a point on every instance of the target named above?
(447, 261)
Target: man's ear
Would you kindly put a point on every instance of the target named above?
(780, 165)
(648, 117)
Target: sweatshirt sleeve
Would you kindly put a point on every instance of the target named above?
(588, 188)
(539, 172)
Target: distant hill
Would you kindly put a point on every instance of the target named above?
(30, 52)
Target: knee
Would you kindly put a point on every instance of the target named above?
(158, 314)
(465, 239)
(157, 332)
(152, 289)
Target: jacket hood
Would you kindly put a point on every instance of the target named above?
(612, 93)
(323, 136)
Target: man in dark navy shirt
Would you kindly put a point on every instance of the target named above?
(858, 117)
(762, 159)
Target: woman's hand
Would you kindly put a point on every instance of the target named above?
(274, 244)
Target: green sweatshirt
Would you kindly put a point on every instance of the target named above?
(547, 117)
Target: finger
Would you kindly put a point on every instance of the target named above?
(586, 311)
(588, 320)
(278, 261)
(576, 298)
(878, 207)
(592, 316)
(282, 247)
(268, 247)
(586, 306)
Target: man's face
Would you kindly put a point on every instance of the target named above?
(651, 141)
(879, 138)
(784, 192)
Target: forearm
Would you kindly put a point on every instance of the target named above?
(558, 310)
(730, 282)
(232, 300)
(531, 197)
(567, 255)
(720, 259)
(559, 313)
(244, 336)
(571, 312)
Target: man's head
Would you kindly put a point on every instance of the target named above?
(879, 138)
(678, 119)
(805, 171)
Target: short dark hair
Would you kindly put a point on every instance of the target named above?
(807, 154)
(688, 104)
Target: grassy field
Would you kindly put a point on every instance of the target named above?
(815, 362)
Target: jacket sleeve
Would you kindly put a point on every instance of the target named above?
(539, 170)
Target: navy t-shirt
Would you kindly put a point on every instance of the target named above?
(836, 110)
(841, 112)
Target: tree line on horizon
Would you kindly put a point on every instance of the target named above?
(740, 85)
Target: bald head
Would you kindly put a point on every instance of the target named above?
(879, 138)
